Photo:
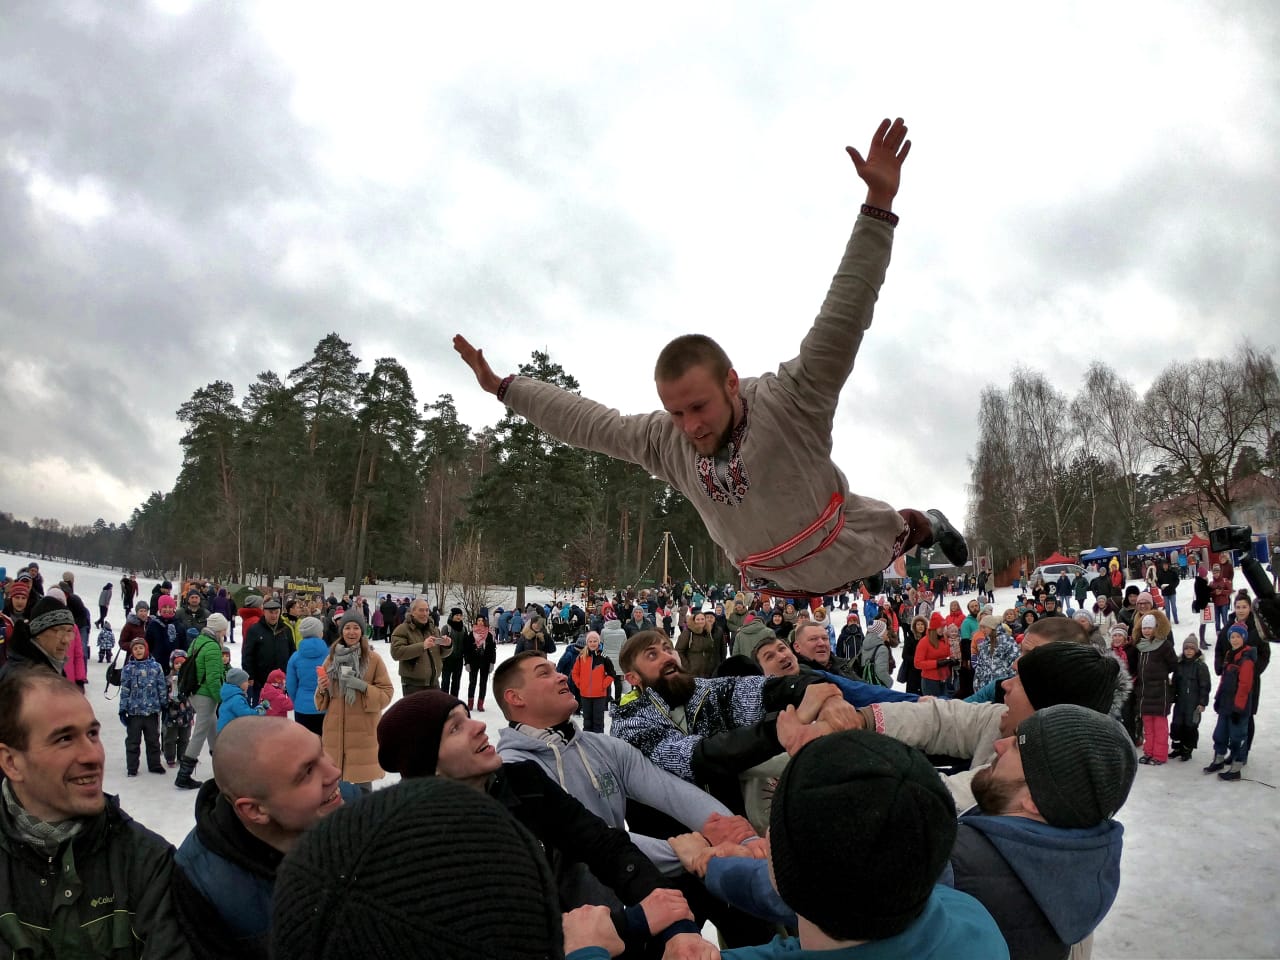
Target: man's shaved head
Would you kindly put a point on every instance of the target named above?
(276, 777)
(249, 748)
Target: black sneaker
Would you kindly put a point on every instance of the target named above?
(1229, 775)
(1215, 766)
(948, 538)
(874, 583)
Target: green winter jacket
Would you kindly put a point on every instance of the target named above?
(209, 667)
(105, 893)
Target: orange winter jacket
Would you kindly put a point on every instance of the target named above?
(592, 673)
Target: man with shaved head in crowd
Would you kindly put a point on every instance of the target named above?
(271, 781)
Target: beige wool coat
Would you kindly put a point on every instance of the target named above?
(350, 733)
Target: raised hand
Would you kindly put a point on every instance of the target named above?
(881, 169)
(488, 380)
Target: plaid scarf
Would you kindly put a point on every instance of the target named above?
(41, 835)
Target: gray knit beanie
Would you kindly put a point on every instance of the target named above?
(355, 884)
(352, 616)
(311, 627)
(1078, 764)
(236, 676)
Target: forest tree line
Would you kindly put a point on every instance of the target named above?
(328, 471)
(1067, 473)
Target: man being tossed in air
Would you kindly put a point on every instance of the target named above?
(753, 454)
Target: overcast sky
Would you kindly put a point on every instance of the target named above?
(200, 191)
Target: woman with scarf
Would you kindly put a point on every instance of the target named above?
(481, 654)
(353, 691)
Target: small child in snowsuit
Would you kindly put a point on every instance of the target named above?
(274, 695)
(106, 642)
(235, 699)
(1191, 696)
(143, 695)
(178, 714)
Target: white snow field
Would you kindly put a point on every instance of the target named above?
(1201, 869)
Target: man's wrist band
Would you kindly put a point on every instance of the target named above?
(888, 216)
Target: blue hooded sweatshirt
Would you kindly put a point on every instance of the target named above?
(1073, 875)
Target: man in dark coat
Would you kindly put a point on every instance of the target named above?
(267, 646)
(192, 613)
(272, 780)
(80, 878)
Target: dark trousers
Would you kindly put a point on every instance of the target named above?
(593, 711)
(176, 738)
(451, 678)
(1184, 732)
(312, 721)
(478, 675)
(137, 728)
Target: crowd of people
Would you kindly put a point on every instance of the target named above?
(742, 733)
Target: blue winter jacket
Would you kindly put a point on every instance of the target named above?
(235, 704)
(233, 871)
(164, 637)
(143, 688)
(300, 675)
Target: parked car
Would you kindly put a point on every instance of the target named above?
(1050, 572)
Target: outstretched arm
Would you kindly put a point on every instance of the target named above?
(815, 378)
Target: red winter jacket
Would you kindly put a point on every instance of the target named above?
(1238, 668)
(929, 651)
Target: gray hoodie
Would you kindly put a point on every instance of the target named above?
(745, 640)
(601, 772)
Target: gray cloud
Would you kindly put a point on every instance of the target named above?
(231, 245)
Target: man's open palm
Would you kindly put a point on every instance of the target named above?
(881, 169)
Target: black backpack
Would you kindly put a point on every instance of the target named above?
(188, 674)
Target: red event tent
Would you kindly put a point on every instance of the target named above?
(1056, 558)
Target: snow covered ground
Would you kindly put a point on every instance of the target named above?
(1201, 865)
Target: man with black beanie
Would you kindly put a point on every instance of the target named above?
(1058, 672)
(855, 798)
(43, 639)
(1041, 851)
(355, 885)
(432, 734)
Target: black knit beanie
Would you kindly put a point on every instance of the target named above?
(1064, 672)
(409, 733)
(49, 612)
(427, 868)
(855, 797)
(1078, 764)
